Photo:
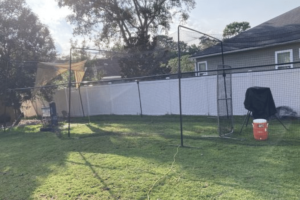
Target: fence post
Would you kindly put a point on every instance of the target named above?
(111, 100)
(139, 92)
(207, 94)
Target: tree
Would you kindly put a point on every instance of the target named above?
(151, 59)
(132, 21)
(235, 28)
(206, 42)
(186, 64)
(22, 38)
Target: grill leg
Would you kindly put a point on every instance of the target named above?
(246, 119)
(280, 122)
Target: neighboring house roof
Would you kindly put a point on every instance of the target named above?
(282, 29)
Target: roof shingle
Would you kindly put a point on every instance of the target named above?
(281, 29)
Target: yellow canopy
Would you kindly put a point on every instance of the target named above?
(47, 71)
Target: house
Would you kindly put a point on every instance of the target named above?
(272, 42)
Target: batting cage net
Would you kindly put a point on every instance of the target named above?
(184, 87)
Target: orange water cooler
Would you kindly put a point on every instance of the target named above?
(260, 129)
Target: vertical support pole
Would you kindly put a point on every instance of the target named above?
(138, 85)
(69, 116)
(231, 98)
(5, 93)
(224, 77)
(179, 86)
(4, 128)
(222, 51)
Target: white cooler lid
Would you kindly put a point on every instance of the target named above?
(259, 121)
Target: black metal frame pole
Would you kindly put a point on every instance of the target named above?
(179, 71)
(138, 85)
(179, 86)
(224, 77)
(70, 84)
(4, 128)
(69, 116)
(5, 93)
(222, 51)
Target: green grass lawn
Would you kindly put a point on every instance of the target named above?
(128, 157)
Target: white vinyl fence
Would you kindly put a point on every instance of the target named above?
(161, 97)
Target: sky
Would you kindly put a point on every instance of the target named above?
(209, 16)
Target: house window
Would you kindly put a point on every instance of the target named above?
(201, 66)
(285, 56)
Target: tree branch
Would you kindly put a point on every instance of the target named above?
(155, 13)
(137, 11)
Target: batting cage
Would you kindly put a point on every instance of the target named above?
(185, 87)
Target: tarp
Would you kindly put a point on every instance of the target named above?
(47, 71)
(259, 100)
